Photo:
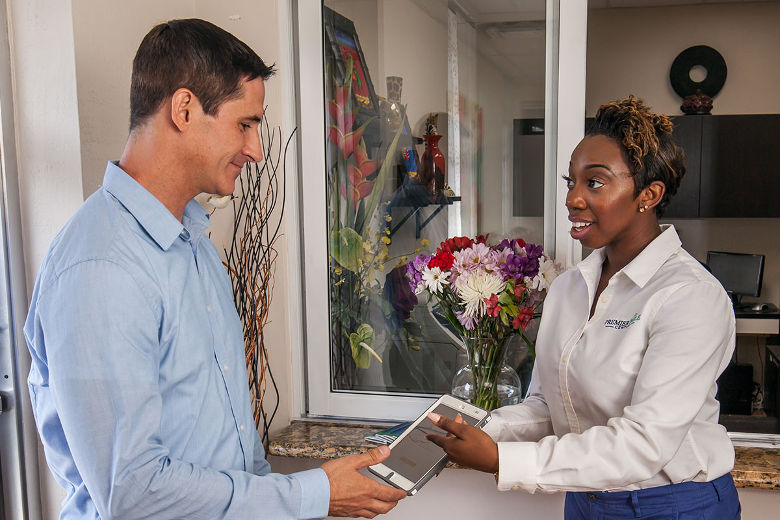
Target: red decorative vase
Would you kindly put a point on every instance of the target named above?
(432, 167)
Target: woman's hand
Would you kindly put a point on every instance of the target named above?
(466, 445)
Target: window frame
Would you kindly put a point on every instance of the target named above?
(566, 24)
(20, 491)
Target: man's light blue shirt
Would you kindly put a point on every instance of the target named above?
(138, 381)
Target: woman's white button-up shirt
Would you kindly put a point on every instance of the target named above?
(624, 400)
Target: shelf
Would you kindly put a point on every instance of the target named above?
(416, 202)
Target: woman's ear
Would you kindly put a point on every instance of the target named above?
(651, 196)
(182, 104)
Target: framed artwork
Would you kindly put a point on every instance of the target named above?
(341, 42)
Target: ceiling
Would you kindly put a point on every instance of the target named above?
(489, 11)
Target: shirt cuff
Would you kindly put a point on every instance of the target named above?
(517, 466)
(315, 493)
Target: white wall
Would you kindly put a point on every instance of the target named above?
(631, 51)
(47, 141)
(46, 121)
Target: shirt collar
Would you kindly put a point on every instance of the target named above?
(643, 266)
(653, 256)
(152, 214)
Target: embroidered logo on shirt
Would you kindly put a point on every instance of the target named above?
(621, 324)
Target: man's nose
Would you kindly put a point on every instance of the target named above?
(253, 147)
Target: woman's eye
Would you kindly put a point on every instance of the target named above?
(568, 180)
(593, 183)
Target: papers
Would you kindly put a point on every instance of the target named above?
(390, 434)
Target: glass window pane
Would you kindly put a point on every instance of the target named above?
(435, 128)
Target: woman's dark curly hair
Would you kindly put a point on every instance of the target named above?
(646, 139)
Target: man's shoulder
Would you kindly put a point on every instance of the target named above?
(98, 231)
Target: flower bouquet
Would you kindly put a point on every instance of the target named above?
(487, 293)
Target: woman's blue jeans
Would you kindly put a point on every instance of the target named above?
(715, 500)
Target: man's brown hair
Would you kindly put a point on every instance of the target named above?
(192, 54)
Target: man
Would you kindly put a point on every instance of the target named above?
(138, 379)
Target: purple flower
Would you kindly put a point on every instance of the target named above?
(525, 264)
(468, 322)
(421, 262)
(506, 243)
(533, 251)
(414, 271)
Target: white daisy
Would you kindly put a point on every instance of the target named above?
(548, 270)
(474, 287)
(435, 280)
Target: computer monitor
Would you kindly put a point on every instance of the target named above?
(740, 273)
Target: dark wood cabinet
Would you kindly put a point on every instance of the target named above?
(687, 134)
(732, 166)
(740, 166)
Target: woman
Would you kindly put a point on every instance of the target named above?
(621, 411)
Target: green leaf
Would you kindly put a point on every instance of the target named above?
(362, 343)
(504, 318)
(379, 184)
(346, 247)
(505, 299)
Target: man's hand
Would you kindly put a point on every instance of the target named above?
(354, 494)
(466, 445)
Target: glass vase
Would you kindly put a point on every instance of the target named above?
(486, 380)
(392, 110)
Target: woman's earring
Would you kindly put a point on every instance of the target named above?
(643, 209)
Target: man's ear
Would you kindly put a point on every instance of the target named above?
(183, 102)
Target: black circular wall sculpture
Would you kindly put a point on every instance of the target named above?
(703, 56)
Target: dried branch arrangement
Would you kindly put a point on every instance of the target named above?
(258, 209)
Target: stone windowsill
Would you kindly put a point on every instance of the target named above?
(753, 467)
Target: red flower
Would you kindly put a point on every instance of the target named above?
(341, 134)
(493, 309)
(456, 244)
(519, 289)
(358, 174)
(482, 239)
(442, 260)
(521, 320)
(520, 242)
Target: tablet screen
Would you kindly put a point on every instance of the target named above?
(415, 454)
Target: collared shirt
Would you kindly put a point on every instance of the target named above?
(623, 400)
(138, 382)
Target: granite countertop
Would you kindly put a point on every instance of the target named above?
(753, 467)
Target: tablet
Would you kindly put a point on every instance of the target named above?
(414, 459)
